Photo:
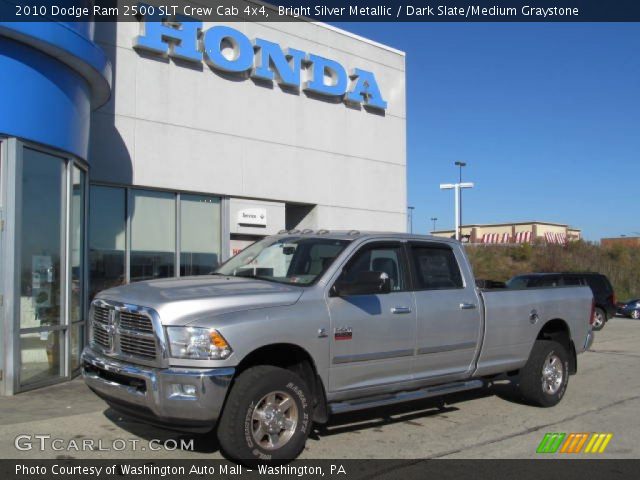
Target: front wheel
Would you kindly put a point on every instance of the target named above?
(544, 379)
(267, 416)
(599, 319)
(635, 314)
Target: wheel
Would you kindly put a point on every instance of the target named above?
(635, 314)
(267, 416)
(543, 380)
(600, 318)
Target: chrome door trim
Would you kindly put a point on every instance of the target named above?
(447, 348)
(365, 357)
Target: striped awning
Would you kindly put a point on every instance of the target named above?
(523, 237)
(496, 238)
(559, 238)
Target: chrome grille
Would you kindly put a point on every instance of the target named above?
(137, 345)
(124, 331)
(101, 337)
(135, 322)
(101, 315)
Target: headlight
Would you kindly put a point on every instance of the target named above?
(198, 343)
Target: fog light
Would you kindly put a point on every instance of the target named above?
(189, 390)
(182, 390)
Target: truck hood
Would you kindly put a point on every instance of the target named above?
(180, 301)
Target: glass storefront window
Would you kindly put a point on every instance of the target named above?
(40, 357)
(107, 226)
(76, 344)
(41, 244)
(153, 235)
(41, 240)
(199, 234)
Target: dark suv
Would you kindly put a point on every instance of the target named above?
(603, 293)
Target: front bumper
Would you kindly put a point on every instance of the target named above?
(151, 394)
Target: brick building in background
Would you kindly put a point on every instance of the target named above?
(520, 232)
(625, 241)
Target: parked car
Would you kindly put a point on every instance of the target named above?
(300, 326)
(630, 309)
(603, 294)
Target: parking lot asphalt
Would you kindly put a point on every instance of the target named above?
(603, 397)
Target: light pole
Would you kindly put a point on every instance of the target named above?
(410, 218)
(434, 220)
(456, 187)
(460, 165)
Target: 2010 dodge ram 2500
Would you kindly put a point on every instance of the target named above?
(302, 325)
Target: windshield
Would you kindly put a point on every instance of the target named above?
(291, 260)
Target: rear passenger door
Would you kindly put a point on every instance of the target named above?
(448, 312)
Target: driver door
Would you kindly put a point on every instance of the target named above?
(372, 335)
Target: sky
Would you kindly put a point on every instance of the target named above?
(546, 116)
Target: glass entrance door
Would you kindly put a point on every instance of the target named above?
(41, 242)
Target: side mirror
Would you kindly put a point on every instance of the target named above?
(365, 283)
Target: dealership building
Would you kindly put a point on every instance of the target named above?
(138, 150)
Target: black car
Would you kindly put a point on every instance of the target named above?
(603, 294)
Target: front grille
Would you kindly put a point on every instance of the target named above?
(101, 315)
(135, 322)
(101, 337)
(137, 345)
(124, 332)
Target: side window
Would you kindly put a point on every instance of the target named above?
(550, 281)
(572, 281)
(436, 268)
(387, 259)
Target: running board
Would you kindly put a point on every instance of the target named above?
(382, 400)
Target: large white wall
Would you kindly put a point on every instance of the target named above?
(187, 127)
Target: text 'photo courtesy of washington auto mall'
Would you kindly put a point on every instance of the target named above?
(296, 238)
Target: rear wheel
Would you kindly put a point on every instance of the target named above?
(267, 416)
(599, 319)
(635, 314)
(543, 380)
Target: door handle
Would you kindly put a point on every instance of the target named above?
(467, 306)
(399, 310)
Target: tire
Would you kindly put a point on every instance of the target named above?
(252, 429)
(600, 318)
(544, 378)
(635, 314)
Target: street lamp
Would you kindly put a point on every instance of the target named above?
(460, 165)
(410, 218)
(434, 220)
(456, 187)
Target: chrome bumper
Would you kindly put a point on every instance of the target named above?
(151, 393)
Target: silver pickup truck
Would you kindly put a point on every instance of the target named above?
(303, 325)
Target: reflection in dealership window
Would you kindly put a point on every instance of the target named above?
(42, 232)
(41, 239)
(199, 234)
(106, 238)
(153, 235)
